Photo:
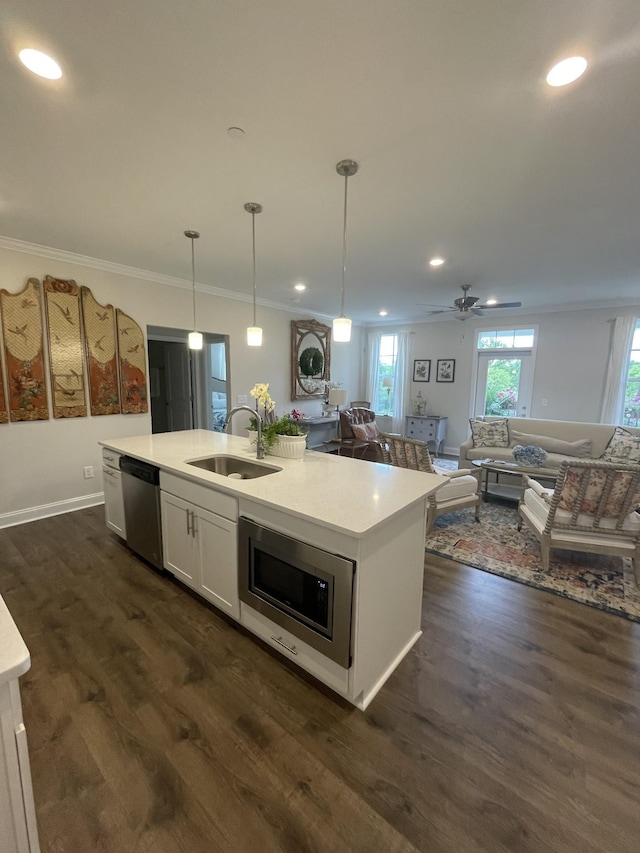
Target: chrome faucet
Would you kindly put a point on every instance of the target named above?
(259, 445)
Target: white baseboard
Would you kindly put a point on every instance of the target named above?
(22, 516)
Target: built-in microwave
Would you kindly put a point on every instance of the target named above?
(303, 589)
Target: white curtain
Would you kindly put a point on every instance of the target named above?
(621, 337)
(400, 383)
(373, 355)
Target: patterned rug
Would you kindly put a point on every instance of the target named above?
(496, 546)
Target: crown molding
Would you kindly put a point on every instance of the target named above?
(14, 245)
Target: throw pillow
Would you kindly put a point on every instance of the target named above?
(366, 432)
(623, 448)
(592, 496)
(490, 433)
(580, 448)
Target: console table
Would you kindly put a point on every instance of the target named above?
(320, 431)
(427, 428)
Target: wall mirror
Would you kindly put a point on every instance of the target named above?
(310, 359)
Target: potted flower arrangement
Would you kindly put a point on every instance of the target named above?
(280, 436)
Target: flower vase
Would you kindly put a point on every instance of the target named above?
(252, 435)
(289, 446)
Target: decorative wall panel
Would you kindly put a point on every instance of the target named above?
(4, 414)
(100, 342)
(24, 352)
(133, 365)
(66, 361)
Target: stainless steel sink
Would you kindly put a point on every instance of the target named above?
(235, 467)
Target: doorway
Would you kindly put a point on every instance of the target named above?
(189, 389)
(504, 384)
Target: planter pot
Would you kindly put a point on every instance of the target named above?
(289, 446)
(253, 436)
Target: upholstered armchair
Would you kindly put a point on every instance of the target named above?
(359, 425)
(592, 508)
(461, 488)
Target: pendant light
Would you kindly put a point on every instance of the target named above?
(342, 325)
(195, 338)
(254, 333)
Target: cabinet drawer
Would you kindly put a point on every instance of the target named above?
(203, 496)
(325, 670)
(110, 458)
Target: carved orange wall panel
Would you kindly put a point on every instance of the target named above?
(133, 365)
(4, 415)
(100, 342)
(66, 361)
(24, 353)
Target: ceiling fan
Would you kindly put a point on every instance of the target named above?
(466, 305)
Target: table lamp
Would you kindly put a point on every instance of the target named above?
(337, 398)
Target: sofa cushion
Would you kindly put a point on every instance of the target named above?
(623, 448)
(366, 432)
(490, 433)
(580, 448)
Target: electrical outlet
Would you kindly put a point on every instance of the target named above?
(242, 399)
(88, 472)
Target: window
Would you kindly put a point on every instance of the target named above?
(384, 386)
(504, 372)
(631, 415)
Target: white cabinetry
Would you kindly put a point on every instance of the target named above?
(199, 532)
(427, 428)
(113, 502)
(18, 829)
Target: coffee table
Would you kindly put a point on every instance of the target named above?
(510, 491)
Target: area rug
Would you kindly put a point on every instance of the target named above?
(495, 545)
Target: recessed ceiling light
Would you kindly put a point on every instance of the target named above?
(491, 302)
(40, 64)
(236, 132)
(383, 313)
(436, 262)
(299, 286)
(567, 71)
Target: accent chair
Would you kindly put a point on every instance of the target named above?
(593, 508)
(460, 489)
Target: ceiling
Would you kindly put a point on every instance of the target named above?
(530, 193)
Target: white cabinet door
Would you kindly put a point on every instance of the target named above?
(217, 539)
(181, 552)
(113, 502)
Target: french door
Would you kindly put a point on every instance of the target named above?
(504, 383)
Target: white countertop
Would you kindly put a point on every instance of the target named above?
(349, 495)
(14, 655)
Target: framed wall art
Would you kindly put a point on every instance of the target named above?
(445, 370)
(421, 369)
(133, 365)
(24, 353)
(66, 359)
(100, 343)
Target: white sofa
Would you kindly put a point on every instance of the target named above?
(565, 440)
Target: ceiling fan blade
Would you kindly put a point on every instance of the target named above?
(501, 305)
(442, 311)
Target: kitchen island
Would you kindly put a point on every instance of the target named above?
(371, 515)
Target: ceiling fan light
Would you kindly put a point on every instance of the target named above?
(341, 332)
(254, 336)
(195, 340)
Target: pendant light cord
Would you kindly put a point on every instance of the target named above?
(344, 246)
(253, 232)
(193, 281)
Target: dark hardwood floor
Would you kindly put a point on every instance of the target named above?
(156, 726)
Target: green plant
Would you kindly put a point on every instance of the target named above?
(281, 426)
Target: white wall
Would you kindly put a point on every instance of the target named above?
(41, 463)
(571, 360)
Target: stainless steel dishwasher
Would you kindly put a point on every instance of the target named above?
(141, 495)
